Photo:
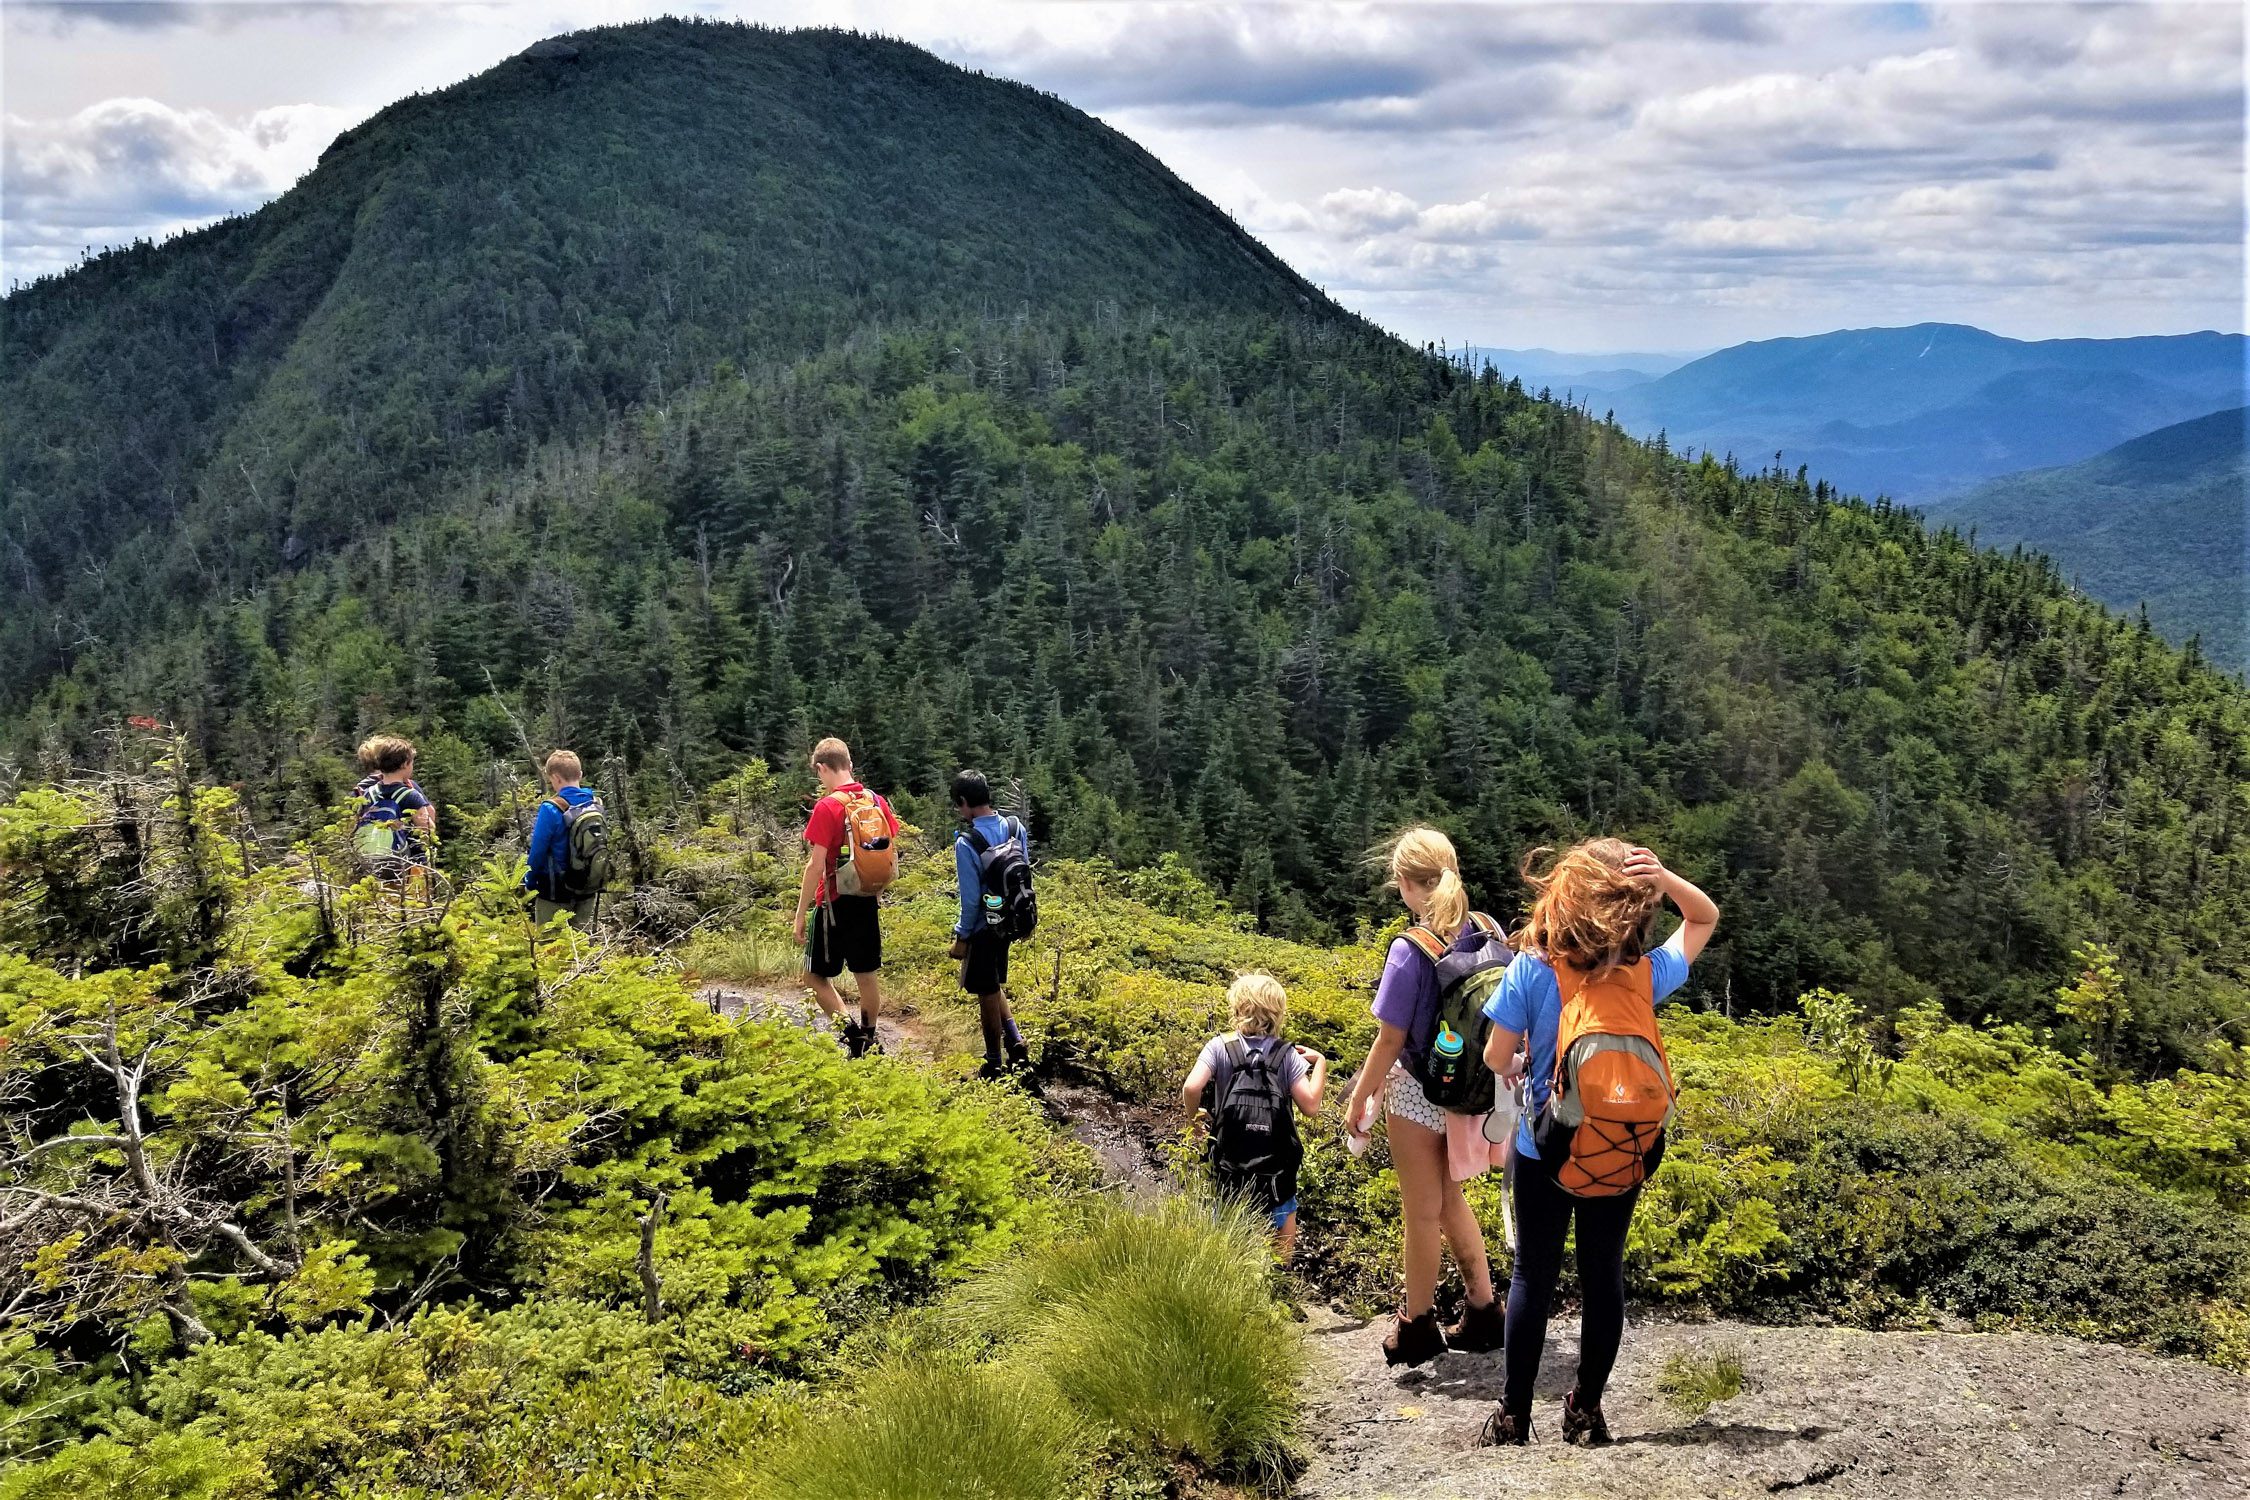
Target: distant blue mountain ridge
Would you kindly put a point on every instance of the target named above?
(1558, 371)
(1921, 412)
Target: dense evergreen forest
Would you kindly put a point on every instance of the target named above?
(684, 392)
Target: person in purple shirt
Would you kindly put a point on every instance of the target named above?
(1589, 916)
(1427, 873)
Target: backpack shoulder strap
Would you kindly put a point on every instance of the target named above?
(1488, 925)
(556, 802)
(1433, 947)
(1238, 1052)
(976, 840)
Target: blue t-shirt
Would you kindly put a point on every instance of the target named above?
(1528, 1001)
(543, 862)
(968, 866)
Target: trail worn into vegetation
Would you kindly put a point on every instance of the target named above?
(1824, 1411)
(1126, 1138)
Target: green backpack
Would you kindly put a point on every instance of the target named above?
(1450, 1065)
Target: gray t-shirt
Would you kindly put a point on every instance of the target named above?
(1288, 1066)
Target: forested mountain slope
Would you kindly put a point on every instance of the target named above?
(590, 225)
(2161, 520)
(668, 422)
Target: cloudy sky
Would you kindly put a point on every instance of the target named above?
(1592, 176)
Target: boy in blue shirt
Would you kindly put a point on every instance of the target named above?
(981, 948)
(544, 868)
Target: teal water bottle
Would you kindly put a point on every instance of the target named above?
(1445, 1071)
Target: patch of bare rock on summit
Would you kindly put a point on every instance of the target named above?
(1825, 1412)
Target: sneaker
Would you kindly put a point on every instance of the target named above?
(1504, 1429)
(1480, 1330)
(1414, 1341)
(1583, 1425)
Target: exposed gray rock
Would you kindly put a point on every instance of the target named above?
(1827, 1412)
(553, 49)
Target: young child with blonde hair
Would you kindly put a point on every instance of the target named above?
(1252, 1077)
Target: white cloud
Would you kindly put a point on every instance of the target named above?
(1591, 176)
(131, 167)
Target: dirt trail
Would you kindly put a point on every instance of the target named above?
(1826, 1411)
(1125, 1138)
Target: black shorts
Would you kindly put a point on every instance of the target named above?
(845, 934)
(985, 970)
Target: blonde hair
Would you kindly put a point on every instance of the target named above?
(1256, 1003)
(1585, 911)
(565, 763)
(384, 753)
(1426, 856)
(832, 753)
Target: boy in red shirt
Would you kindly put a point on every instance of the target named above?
(846, 931)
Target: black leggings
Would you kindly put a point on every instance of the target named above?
(1543, 1213)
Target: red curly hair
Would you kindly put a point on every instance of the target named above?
(1585, 912)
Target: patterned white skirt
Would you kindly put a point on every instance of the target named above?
(1403, 1097)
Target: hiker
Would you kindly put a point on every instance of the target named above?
(567, 864)
(1585, 985)
(395, 819)
(1251, 1077)
(853, 837)
(1434, 1149)
(992, 859)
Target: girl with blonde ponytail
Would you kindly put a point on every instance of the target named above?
(1427, 874)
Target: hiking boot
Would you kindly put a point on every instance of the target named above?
(993, 1070)
(870, 1044)
(1414, 1341)
(857, 1039)
(1583, 1425)
(1504, 1429)
(1480, 1330)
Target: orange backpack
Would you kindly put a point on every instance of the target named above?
(868, 860)
(1603, 1128)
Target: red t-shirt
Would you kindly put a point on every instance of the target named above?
(825, 828)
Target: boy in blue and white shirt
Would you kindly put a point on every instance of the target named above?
(980, 947)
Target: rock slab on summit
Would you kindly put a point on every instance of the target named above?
(1824, 1412)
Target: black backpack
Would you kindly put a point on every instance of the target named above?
(1005, 872)
(1253, 1148)
(584, 867)
(1459, 1081)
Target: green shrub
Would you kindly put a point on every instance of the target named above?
(168, 1466)
(1695, 1380)
(931, 1430)
(1159, 1325)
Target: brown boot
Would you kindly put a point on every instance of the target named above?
(1504, 1429)
(1414, 1341)
(1583, 1425)
(1480, 1330)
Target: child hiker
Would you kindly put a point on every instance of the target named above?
(1585, 987)
(1252, 1077)
(1435, 1145)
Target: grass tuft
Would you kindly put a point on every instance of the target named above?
(927, 1429)
(1695, 1380)
(1158, 1323)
